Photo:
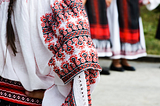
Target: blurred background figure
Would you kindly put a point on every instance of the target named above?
(127, 35)
(99, 28)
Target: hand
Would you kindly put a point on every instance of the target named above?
(35, 94)
(144, 2)
(108, 2)
(84, 2)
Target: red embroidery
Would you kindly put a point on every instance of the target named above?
(91, 75)
(66, 32)
(4, 1)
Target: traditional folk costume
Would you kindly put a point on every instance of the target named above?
(97, 14)
(55, 52)
(126, 29)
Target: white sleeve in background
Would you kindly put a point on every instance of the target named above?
(153, 4)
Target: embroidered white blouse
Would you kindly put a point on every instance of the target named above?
(55, 51)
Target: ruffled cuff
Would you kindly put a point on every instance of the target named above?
(76, 93)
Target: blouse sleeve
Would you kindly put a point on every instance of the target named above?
(153, 4)
(76, 93)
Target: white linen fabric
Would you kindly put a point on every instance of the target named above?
(80, 90)
(124, 50)
(103, 47)
(30, 66)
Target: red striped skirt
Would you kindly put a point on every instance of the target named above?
(13, 92)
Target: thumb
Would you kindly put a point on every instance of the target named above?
(35, 94)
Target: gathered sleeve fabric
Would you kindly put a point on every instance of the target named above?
(76, 93)
(3, 21)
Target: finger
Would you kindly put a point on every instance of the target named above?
(84, 2)
(108, 4)
(35, 94)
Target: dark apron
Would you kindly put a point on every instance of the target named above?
(158, 30)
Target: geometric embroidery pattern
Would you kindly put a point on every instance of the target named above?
(91, 76)
(66, 32)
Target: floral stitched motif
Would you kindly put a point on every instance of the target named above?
(91, 76)
(66, 32)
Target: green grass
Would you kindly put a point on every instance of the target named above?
(150, 22)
